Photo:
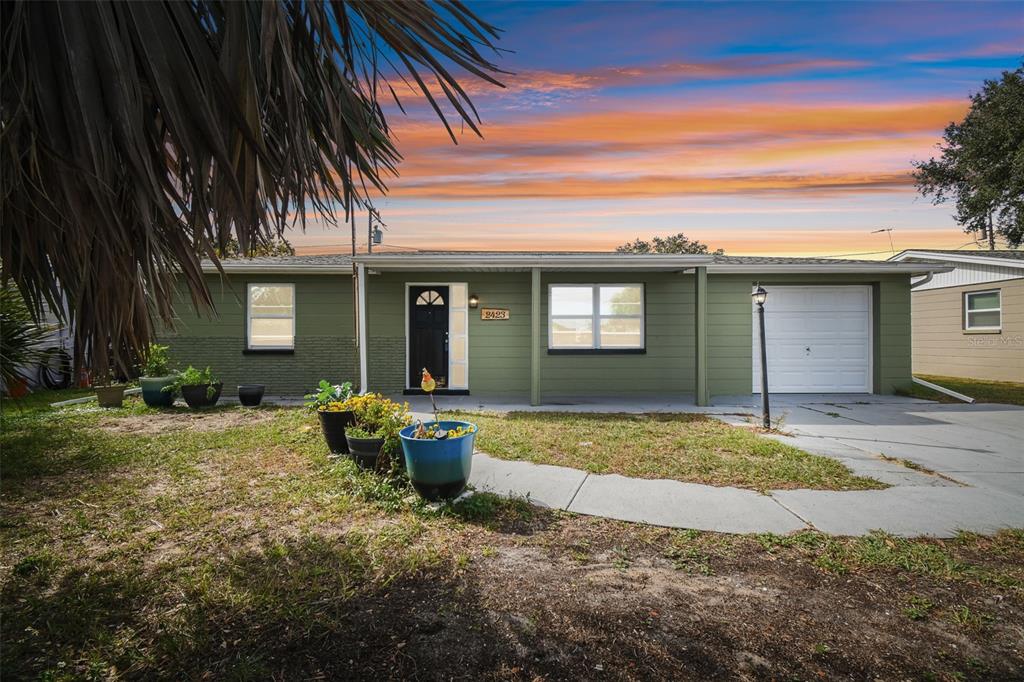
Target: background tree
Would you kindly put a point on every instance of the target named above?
(673, 243)
(138, 138)
(982, 163)
(276, 247)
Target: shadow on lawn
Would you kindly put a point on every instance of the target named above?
(289, 610)
(318, 608)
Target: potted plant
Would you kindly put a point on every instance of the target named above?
(109, 393)
(199, 388)
(373, 438)
(328, 401)
(156, 376)
(438, 455)
(364, 446)
(251, 395)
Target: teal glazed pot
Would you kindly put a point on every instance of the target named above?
(438, 469)
(153, 393)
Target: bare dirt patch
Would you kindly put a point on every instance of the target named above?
(167, 422)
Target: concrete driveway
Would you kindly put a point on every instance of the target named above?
(981, 445)
(951, 468)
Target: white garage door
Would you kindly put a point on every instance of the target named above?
(819, 339)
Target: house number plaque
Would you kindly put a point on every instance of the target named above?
(494, 314)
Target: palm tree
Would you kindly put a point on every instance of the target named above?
(140, 137)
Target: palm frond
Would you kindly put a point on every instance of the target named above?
(140, 137)
(21, 338)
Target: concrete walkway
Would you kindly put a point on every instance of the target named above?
(974, 451)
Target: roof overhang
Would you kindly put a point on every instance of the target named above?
(979, 258)
(523, 262)
(880, 268)
(277, 268)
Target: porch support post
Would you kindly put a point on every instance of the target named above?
(361, 317)
(535, 339)
(700, 316)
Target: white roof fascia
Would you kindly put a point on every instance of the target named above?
(980, 258)
(560, 261)
(279, 268)
(814, 268)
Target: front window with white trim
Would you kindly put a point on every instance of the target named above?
(270, 317)
(983, 310)
(596, 317)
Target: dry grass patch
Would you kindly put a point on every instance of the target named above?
(154, 423)
(686, 447)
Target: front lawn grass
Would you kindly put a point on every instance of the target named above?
(686, 447)
(1007, 392)
(226, 544)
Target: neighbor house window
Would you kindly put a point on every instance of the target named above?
(271, 317)
(596, 317)
(982, 311)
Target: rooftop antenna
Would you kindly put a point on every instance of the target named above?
(889, 230)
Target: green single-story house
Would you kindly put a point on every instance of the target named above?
(549, 326)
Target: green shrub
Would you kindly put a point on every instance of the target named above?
(156, 363)
(195, 377)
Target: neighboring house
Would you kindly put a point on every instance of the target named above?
(969, 322)
(553, 326)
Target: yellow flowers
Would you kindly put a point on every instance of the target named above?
(425, 432)
(459, 431)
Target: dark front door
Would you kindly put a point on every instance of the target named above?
(428, 334)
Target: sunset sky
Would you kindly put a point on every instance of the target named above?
(767, 128)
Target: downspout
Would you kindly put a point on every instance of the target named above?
(927, 278)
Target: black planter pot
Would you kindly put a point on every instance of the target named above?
(365, 451)
(333, 425)
(196, 395)
(250, 395)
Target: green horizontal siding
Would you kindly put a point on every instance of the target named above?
(499, 351)
(893, 348)
(324, 335)
(668, 365)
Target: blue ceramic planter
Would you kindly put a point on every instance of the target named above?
(438, 469)
(153, 393)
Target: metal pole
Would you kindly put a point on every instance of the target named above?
(369, 229)
(765, 414)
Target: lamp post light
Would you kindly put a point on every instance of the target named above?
(760, 296)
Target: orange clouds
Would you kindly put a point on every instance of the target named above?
(577, 187)
(816, 149)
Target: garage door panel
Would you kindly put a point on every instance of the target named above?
(819, 339)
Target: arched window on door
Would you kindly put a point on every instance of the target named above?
(430, 297)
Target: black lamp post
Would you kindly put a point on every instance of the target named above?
(760, 296)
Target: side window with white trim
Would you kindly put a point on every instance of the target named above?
(270, 317)
(983, 310)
